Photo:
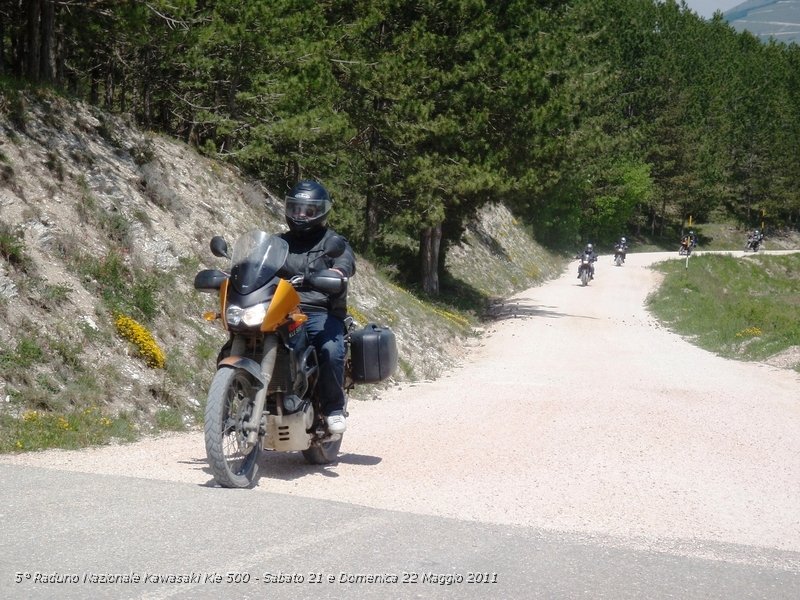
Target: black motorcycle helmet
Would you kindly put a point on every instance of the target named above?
(307, 207)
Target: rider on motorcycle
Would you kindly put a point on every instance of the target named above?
(755, 239)
(307, 207)
(622, 247)
(689, 242)
(588, 251)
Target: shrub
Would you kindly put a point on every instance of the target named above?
(12, 246)
(140, 337)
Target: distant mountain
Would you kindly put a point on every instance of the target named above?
(767, 19)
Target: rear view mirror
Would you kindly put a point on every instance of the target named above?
(209, 280)
(219, 247)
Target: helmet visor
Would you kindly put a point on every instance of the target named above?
(301, 209)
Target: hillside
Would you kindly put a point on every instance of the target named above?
(100, 220)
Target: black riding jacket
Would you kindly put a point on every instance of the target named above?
(299, 247)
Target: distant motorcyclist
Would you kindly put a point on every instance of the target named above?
(754, 240)
(621, 247)
(589, 252)
(688, 243)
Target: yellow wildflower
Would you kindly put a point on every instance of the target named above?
(750, 332)
(138, 335)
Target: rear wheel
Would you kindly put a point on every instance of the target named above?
(229, 406)
(324, 453)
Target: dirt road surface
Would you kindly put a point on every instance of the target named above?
(575, 411)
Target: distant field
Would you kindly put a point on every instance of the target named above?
(768, 19)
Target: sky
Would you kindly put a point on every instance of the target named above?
(706, 8)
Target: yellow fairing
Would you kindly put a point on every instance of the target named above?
(283, 302)
(223, 298)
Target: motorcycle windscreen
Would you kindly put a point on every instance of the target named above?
(257, 256)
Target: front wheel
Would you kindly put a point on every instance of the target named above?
(230, 403)
(585, 277)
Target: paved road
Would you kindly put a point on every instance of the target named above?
(581, 451)
(59, 524)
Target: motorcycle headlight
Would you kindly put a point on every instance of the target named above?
(250, 316)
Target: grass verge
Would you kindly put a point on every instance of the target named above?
(37, 430)
(744, 308)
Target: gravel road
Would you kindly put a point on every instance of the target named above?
(575, 411)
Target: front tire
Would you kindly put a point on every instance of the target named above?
(585, 277)
(230, 402)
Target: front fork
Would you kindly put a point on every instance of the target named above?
(261, 373)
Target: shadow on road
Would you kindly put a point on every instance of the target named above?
(287, 466)
(512, 309)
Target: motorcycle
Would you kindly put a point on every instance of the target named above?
(753, 243)
(263, 395)
(619, 256)
(685, 247)
(585, 269)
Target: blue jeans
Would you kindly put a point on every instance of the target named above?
(326, 332)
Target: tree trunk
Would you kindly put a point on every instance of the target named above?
(123, 93)
(652, 222)
(430, 240)
(59, 57)
(47, 60)
(33, 42)
(370, 217)
(109, 85)
(146, 101)
(2, 46)
(94, 91)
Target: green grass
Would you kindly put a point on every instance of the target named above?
(170, 419)
(122, 288)
(12, 246)
(745, 308)
(36, 430)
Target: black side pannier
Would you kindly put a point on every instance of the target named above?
(373, 354)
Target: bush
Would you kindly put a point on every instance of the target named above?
(140, 337)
